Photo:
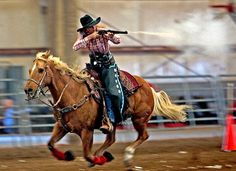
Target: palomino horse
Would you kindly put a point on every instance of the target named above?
(71, 93)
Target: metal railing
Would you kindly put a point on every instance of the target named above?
(207, 95)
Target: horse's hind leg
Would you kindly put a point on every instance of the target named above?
(140, 125)
(57, 134)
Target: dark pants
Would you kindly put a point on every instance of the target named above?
(111, 80)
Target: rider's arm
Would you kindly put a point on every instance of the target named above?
(80, 43)
(113, 38)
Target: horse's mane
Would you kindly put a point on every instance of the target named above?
(60, 65)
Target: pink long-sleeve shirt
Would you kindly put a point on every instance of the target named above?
(98, 45)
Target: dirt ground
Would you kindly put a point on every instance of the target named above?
(164, 155)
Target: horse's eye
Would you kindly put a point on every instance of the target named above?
(40, 70)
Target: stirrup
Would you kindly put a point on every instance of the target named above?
(106, 128)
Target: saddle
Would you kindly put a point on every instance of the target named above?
(129, 83)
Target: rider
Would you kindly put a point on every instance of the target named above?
(103, 62)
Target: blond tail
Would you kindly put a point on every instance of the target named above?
(164, 107)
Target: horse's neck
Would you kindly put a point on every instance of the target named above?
(66, 90)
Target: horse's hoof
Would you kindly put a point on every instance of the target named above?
(108, 156)
(91, 164)
(69, 155)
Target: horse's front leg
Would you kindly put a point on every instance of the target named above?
(110, 139)
(57, 134)
(87, 140)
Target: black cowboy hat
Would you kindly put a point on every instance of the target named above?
(87, 21)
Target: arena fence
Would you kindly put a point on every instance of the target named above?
(207, 95)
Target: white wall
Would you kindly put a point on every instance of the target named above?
(22, 24)
(166, 22)
(176, 23)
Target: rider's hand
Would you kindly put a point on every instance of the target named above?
(94, 35)
(110, 34)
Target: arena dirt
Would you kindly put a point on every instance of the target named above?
(164, 155)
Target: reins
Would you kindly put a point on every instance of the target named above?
(50, 104)
(59, 99)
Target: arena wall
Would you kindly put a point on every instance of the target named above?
(52, 24)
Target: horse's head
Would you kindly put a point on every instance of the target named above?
(40, 75)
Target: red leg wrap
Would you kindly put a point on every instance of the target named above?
(99, 160)
(58, 154)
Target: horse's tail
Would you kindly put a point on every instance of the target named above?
(164, 107)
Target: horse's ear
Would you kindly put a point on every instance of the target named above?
(47, 53)
(30, 70)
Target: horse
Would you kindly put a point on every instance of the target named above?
(72, 95)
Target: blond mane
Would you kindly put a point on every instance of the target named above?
(60, 65)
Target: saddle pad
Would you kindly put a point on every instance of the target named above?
(128, 81)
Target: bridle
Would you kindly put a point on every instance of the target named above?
(40, 88)
(59, 112)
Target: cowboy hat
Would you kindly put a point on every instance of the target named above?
(87, 21)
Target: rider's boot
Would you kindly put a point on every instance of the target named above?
(107, 126)
(109, 117)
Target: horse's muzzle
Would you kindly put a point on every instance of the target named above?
(30, 93)
(28, 90)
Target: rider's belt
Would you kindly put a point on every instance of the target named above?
(101, 60)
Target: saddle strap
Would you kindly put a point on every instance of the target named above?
(66, 126)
